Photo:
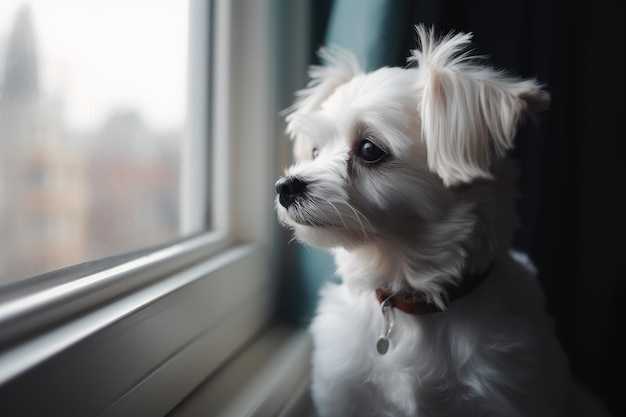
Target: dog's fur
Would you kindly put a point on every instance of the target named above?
(438, 205)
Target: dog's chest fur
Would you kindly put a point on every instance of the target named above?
(495, 345)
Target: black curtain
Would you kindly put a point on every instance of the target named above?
(573, 161)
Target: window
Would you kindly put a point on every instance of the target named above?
(137, 332)
(92, 127)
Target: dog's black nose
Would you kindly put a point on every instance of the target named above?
(288, 189)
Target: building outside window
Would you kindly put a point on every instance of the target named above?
(92, 119)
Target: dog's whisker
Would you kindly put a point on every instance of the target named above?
(358, 215)
(319, 214)
(336, 210)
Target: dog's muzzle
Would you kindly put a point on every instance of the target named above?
(289, 189)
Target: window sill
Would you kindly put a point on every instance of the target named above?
(121, 358)
(40, 302)
(270, 378)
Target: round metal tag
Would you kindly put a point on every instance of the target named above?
(382, 345)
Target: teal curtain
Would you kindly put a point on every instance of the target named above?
(371, 29)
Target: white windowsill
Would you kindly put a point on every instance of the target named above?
(270, 378)
(182, 328)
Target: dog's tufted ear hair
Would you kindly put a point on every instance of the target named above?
(470, 112)
(339, 67)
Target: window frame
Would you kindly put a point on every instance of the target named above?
(178, 312)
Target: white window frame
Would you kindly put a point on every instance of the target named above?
(136, 334)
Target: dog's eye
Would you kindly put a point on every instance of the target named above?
(370, 153)
(315, 153)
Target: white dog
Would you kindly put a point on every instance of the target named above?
(401, 173)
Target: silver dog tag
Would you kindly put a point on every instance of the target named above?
(383, 342)
(382, 345)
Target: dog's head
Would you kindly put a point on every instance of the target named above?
(401, 158)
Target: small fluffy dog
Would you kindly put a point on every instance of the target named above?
(401, 173)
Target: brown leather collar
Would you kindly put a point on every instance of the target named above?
(416, 302)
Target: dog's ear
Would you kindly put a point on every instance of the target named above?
(470, 113)
(339, 67)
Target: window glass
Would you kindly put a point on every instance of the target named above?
(92, 120)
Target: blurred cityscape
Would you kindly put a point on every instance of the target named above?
(68, 196)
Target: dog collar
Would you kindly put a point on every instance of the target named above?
(416, 302)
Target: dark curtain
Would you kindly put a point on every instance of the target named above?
(573, 161)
